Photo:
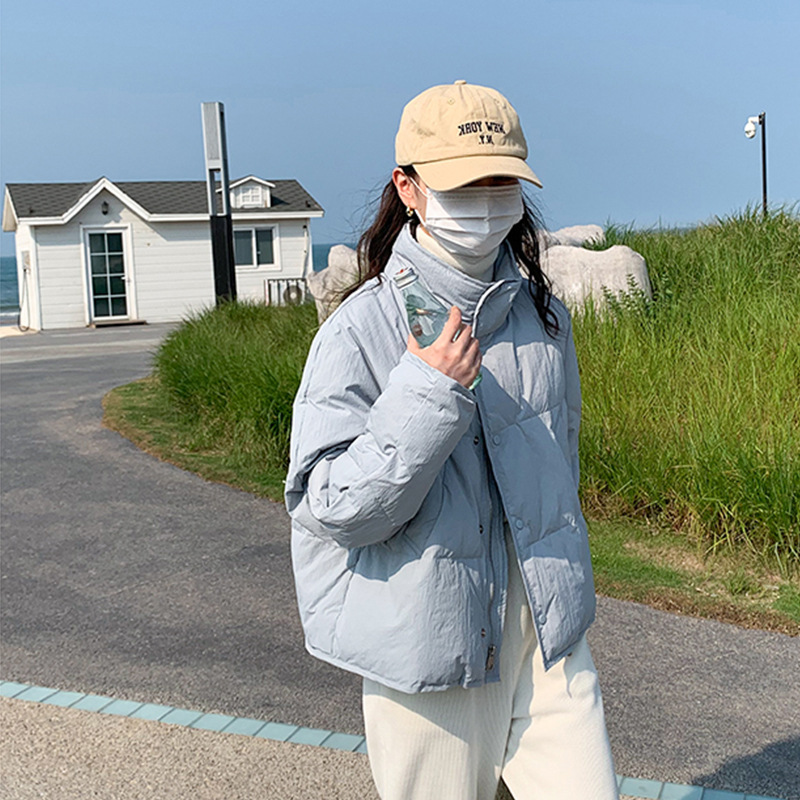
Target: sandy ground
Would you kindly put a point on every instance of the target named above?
(12, 330)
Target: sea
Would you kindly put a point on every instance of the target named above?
(9, 300)
(9, 297)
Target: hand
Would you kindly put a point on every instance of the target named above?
(455, 352)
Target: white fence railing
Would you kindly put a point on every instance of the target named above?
(285, 291)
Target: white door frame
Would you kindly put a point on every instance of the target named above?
(127, 260)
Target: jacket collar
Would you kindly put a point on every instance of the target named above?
(484, 306)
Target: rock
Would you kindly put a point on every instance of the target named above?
(579, 235)
(577, 273)
(329, 285)
(573, 236)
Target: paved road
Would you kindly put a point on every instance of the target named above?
(125, 576)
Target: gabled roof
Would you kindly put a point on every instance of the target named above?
(162, 198)
(248, 179)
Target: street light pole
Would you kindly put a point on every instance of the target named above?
(750, 131)
(216, 148)
(762, 121)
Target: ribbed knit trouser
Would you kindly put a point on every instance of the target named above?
(543, 732)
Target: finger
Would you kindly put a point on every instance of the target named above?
(452, 326)
(413, 345)
(464, 339)
(472, 345)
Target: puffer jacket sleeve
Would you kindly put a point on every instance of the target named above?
(368, 440)
(573, 397)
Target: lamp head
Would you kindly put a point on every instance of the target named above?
(751, 127)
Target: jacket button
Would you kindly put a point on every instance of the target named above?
(476, 440)
(496, 439)
(483, 631)
(480, 528)
(520, 524)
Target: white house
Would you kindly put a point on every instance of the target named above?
(104, 252)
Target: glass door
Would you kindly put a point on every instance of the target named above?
(107, 274)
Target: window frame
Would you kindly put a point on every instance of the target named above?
(275, 266)
(254, 190)
(129, 267)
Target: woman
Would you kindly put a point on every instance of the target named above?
(437, 539)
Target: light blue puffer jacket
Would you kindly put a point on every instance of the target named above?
(400, 479)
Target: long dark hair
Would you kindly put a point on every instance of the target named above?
(375, 247)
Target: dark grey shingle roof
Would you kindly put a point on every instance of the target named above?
(168, 197)
(46, 199)
(157, 197)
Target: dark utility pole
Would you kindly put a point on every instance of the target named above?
(762, 121)
(221, 224)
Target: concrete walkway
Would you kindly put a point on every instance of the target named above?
(64, 754)
(126, 577)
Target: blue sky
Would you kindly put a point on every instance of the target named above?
(634, 111)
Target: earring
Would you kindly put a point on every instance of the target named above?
(409, 211)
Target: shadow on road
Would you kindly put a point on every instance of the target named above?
(776, 765)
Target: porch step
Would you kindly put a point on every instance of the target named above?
(116, 323)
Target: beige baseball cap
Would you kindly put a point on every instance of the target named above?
(458, 133)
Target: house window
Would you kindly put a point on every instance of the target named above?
(253, 247)
(243, 248)
(250, 196)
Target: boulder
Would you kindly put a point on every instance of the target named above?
(328, 285)
(577, 273)
(572, 236)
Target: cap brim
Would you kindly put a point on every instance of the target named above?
(441, 176)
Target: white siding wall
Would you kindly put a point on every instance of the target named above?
(169, 266)
(61, 281)
(174, 270)
(291, 243)
(27, 283)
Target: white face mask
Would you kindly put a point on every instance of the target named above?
(473, 220)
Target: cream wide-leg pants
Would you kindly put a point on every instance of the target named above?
(543, 732)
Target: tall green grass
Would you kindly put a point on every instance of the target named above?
(233, 372)
(691, 402)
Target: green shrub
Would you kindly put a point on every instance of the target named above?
(692, 401)
(233, 372)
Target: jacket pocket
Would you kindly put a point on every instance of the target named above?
(415, 533)
(353, 557)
